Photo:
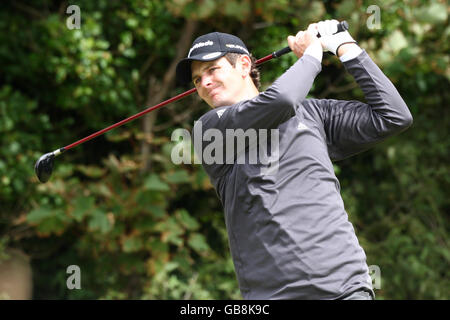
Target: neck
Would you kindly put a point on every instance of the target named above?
(249, 92)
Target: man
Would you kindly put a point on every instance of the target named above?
(289, 233)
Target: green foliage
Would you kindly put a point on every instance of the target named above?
(160, 234)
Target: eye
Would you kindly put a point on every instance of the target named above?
(213, 69)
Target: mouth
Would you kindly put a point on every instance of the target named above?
(213, 92)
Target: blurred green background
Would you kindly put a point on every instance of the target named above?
(140, 227)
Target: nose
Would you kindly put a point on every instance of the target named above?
(206, 81)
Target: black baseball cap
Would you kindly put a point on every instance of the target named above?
(209, 47)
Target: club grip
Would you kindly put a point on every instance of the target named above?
(342, 26)
(279, 53)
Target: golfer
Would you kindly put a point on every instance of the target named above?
(288, 230)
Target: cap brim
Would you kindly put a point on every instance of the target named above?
(183, 71)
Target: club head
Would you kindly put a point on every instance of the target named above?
(44, 167)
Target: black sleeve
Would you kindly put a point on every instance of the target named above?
(353, 126)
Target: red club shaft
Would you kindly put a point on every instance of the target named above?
(140, 114)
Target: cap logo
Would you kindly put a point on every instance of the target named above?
(199, 45)
(211, 55)
(235, 46)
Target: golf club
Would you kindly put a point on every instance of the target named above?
(44, 166)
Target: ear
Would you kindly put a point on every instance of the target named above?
(245, 65)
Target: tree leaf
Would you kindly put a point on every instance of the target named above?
(132, 244)
(91, 171)
(153, 182)
(39, 214)
(177, 177)
(82, 207)
(186, 220)
(99, 222)
(198, 243)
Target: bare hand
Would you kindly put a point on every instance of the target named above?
(303, 40)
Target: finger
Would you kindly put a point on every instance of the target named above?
(313, 28)
(291, 42)
(299, 34)
(311, 34)
(321, 28)
(332, 26)
(327, 27)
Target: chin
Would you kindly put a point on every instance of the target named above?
(222, 103)
(217, 105)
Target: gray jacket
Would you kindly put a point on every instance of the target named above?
(288, 230)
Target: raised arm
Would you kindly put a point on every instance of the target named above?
(354, 126)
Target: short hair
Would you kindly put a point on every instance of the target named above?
(254, 72)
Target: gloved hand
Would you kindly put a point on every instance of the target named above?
(331, 40)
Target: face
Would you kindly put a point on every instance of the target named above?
(217, 82)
